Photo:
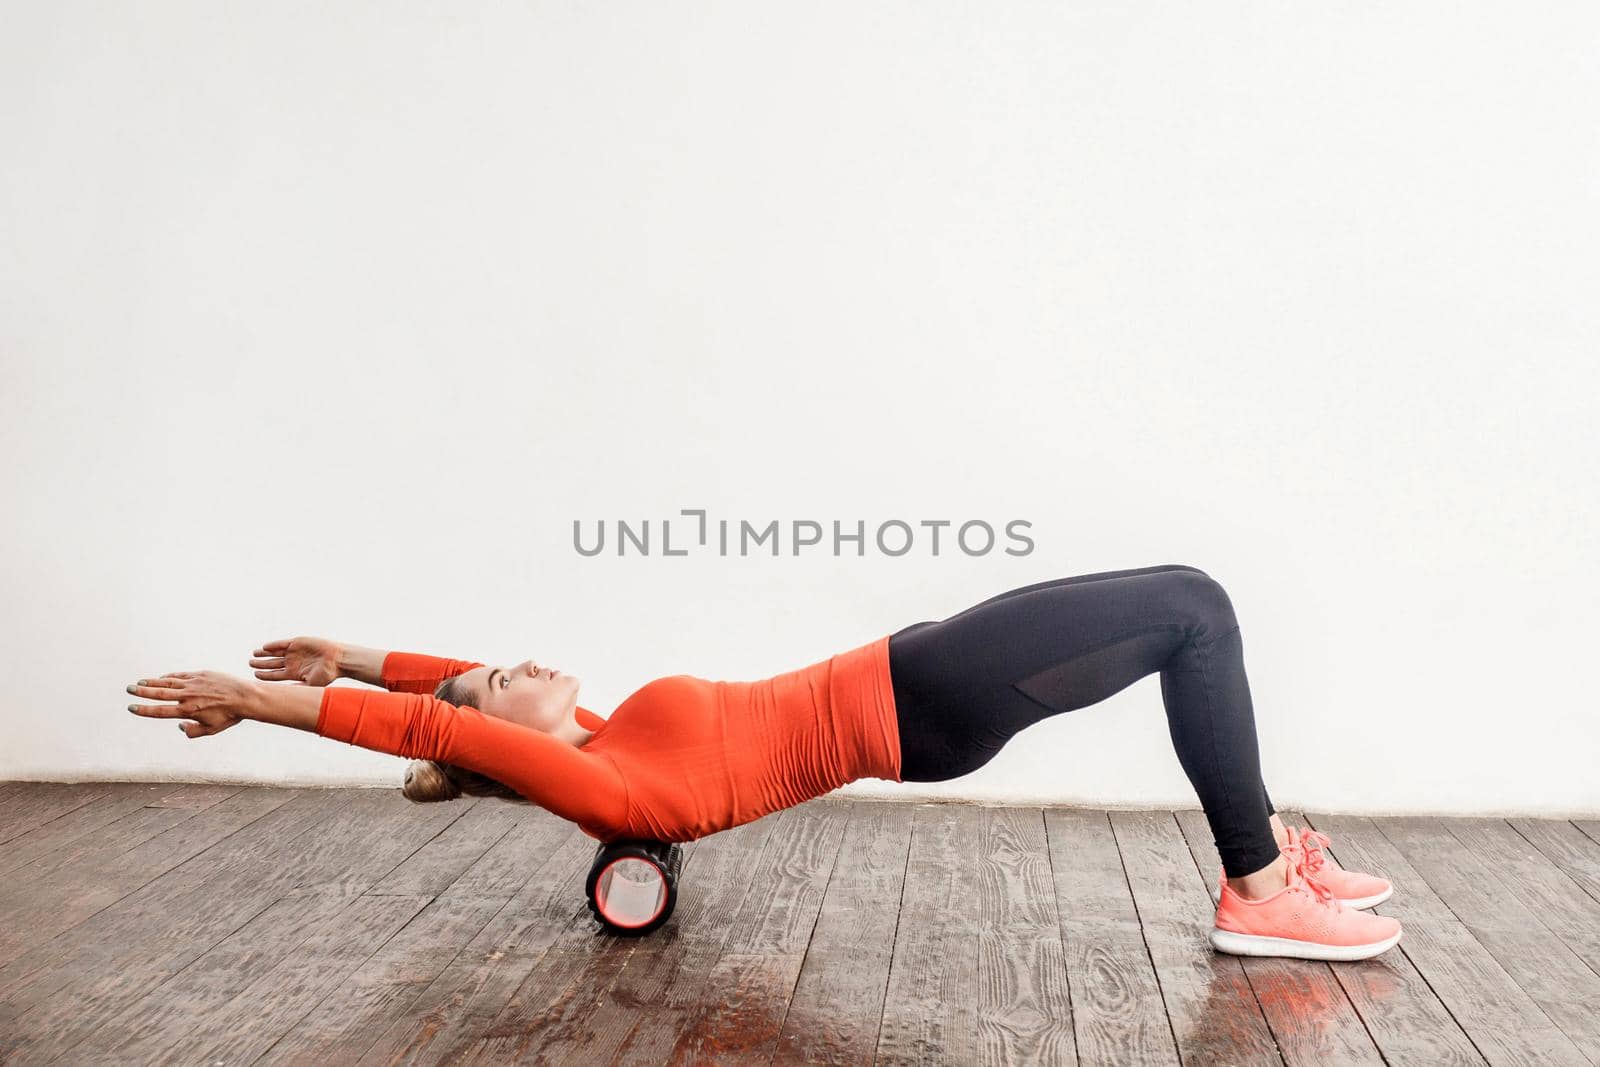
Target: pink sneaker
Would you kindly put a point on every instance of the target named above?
(1352, 888)
(1303, 920)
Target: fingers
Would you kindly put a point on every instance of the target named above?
(195, 729)
(158, 711)
(166, 687)
(169, 686)
(178, 687)
(272, 668)
(170, 690)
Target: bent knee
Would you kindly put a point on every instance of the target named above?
(1203, 601)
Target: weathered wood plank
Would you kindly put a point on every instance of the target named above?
(930, 1010)
(1569, 848)
(196, 795)
(1117, 1013)
(248, 1022)
(33, 804)
(35, 912)
(140, 921)
(1024, 1009)
(444, 859)
(1501, 1020)
(1214, 1015)
(657, 995)
(739, 1021)
(381, 992)
(741, 1010)
(554, 998)
(196, 998)
(48, 846)
(1544, 891)
(447, 1022)
(83, 861)
(1548, 970)
(837, 1006)
(165, 935)
(553, 1007)
(778, 916)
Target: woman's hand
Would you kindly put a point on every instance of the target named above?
(209, 701)
(308, 660)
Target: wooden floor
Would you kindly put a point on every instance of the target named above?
(223, 925)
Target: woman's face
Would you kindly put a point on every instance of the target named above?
(540, 697)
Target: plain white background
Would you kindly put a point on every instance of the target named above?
(332, 319)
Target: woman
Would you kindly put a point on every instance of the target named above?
(683, 757)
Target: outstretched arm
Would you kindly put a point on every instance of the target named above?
(584, 787)
(318, 661)
(416, 672)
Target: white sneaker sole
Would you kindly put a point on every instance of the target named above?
(1369, 902)
(1257, 945)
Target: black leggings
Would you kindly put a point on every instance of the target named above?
(965, 685)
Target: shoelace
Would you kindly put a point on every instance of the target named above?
(1300, 875)
(1312, 842)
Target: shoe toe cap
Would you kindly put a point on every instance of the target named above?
(1368, 885)
(1376, 928)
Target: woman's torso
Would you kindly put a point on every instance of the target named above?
(699, 756)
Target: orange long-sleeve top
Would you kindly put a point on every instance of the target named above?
(680, 758)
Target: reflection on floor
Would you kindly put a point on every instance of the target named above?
(157, 923)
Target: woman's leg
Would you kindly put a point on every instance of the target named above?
(1079, 579)
(965, 685)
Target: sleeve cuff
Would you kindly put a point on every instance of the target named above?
(417, 672)
(339, 712)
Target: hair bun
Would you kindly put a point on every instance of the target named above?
(426, 782)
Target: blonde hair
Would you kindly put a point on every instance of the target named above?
(428, 781)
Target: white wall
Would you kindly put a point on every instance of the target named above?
(331, 319)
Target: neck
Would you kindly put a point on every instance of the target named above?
(570, 732)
